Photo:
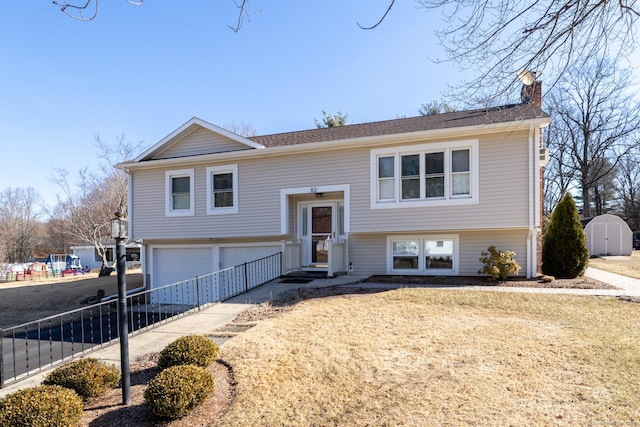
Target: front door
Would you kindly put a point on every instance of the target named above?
(318, 224)
(321, 221)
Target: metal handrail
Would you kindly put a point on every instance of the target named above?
(55, 339)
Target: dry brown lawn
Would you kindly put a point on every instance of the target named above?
(433, 357)
(423, 357)
(25, 301)
(625, 265)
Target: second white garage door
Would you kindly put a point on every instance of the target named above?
(171, 265)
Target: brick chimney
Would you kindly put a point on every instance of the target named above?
(532, 94)
(536, 96)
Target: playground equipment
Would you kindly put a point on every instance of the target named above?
(64, 263)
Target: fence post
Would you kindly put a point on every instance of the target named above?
(198, 292)
(246, 277)
(283, 250)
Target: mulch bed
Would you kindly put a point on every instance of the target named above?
(577, 283)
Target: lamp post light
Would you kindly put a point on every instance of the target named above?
(119, 229)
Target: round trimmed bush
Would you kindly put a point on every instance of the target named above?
(41, 406)
(88, 377)
(178, 389)
(189, 350)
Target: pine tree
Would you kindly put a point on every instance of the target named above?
(564, 248)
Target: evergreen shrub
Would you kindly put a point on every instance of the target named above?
(189, 350)
(178, 389)
(88, 377)
(41, 406)
(564, 247)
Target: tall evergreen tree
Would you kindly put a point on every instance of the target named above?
(564, 247)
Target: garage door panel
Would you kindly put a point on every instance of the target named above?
(173, 265)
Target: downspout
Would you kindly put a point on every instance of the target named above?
(531, 242)
(537, 199)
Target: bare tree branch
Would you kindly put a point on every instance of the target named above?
(243, 8)
(77, 11)
(596, 125)
(381, 19)
(494, 38)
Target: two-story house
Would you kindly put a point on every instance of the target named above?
(412, 196)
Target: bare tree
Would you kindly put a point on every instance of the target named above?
(497, 37)
(19, 212)
(628, 187)
(241, 128)
(58, 240)
(559, 172)
(597, 124)
(436, 107)
(86, 208)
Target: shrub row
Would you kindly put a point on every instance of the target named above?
(183, 384)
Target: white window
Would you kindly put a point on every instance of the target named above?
(222, 189)
(108, 252)
(423, 255)
(425, 175)
(179, 192)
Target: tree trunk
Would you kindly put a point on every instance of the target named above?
(105, 271)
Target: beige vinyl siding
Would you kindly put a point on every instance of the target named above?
(368, 252)
(474, 242)
(201, 141)
(259, 187)
(503, 198)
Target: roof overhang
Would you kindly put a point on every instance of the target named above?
(369, 141)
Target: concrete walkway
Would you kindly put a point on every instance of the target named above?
(218, 315)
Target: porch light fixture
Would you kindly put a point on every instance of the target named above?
(119, 227)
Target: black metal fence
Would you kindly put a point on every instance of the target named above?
(30, 348)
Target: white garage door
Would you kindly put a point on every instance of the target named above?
(237, 255)
(171, 265)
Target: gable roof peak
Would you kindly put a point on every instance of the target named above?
(188, 127)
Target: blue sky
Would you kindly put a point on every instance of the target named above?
(142, 71)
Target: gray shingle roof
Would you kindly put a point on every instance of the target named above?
(485, 116)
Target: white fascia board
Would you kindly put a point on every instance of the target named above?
(369, 141)
(189, 127)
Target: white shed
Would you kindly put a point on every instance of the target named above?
(608, 235)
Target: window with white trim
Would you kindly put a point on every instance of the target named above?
(108, 252)
(425, 175)
(222, 189)
(423, 255)
(179, 192)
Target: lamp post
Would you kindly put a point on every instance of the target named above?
(119, 226)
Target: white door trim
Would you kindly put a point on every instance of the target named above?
(286, 192)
